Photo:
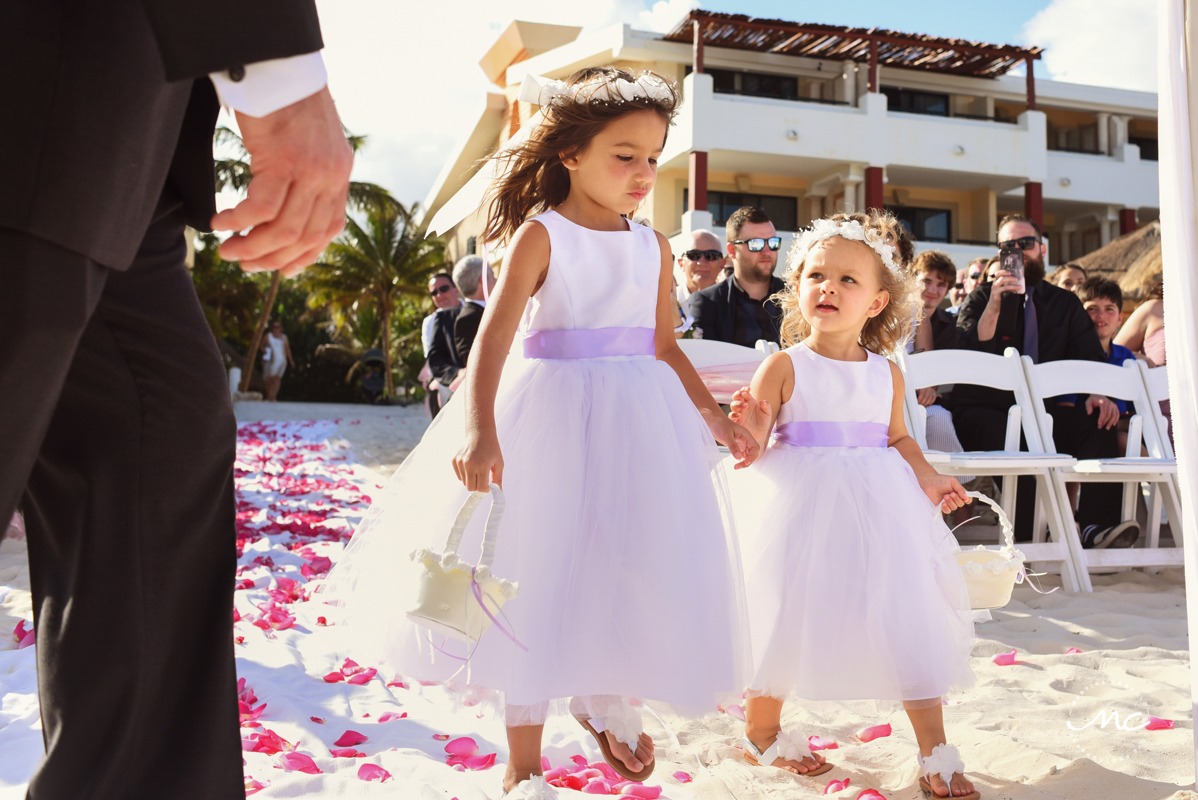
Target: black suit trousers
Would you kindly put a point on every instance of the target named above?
(1073, 432)
(118, 439)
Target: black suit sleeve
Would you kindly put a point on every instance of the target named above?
(465, 329)
(442, 362)
(195, 38)
(705, 310)
(967, 323)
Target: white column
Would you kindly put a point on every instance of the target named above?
(1104, 138)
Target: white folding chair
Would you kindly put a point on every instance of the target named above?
(1004, 373)
(1056, 378)
(1156, 386)
(724, 367)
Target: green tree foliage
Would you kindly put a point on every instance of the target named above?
(380, 262)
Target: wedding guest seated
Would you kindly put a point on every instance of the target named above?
(445, 295)
(738, 309)
(1068, 276)
(468, 275)
(702, 265)
(1049, 324)
(1144, 335)
(937, 330)
(957, 293)
(973, 274)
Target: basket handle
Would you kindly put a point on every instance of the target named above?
(1008, 531)
(490, 534)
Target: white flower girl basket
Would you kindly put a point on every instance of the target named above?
(456, 598)
(991, 575)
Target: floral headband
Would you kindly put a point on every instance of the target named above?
(822, 229)
(599, 89)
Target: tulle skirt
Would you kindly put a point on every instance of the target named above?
(854, 591)
(617, 530)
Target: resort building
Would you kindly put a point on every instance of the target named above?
(805, 120)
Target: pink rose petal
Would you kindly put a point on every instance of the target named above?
(298, 762)
(1158, 724)
(580, 761)
(25, 637)
(398, 683)
(836, 786)
(479, 763)
(873, 732)
(682, 777)
(871, 794)
(440, 737)
(463, 747)
(373, 772)
(350, 738)
(347, 752)
(1072, 650)
(317, 720)
(642, 791)
(253, 787)
(555, 774)
(544, 764)
(362, 677)
(1005, 659)
(390, 715)
(607, 772)
(736, 711)
(333, 677)
(597, 786)
(819, 743)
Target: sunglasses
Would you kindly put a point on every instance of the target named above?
(440, 290)
(1023, 242)
(757, 245)
(958, 286)
(975, 276)
(706, 255)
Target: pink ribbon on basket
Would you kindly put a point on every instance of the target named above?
(478, 595)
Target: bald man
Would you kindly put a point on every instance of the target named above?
(702, 265)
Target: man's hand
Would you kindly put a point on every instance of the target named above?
(1108, 412)
(928, 396)
(296, 200)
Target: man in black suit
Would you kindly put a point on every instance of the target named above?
(738, 309)
(468, 275)
(116, 428)
(1049, 324)
(443, 361)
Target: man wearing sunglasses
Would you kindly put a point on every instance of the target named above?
(1046, 323)
(737, 309)
(445, 295)
(701, 265)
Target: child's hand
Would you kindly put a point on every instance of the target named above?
(740, 442)
(945, 491)
(746, 411)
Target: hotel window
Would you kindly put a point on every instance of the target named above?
(782, 211)
(913, 102)
(925, 224)
(754, 84)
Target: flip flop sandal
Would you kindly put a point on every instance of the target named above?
(626, 729)
(790, 748)
(944, 761)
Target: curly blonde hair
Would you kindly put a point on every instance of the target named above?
(890, 329)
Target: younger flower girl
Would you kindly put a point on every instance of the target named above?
(854, 590)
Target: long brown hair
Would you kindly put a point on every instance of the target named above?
(882, 334)
(535, 179)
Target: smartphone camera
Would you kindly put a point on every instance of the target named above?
(1011, 260)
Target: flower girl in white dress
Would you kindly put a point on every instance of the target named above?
(854, 590)
(617, 528)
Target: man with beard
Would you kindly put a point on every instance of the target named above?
(1049, 324)
(737, 309)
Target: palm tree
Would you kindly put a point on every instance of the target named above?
(376, 263)
(233, 172)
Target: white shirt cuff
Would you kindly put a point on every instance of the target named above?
(267, 86)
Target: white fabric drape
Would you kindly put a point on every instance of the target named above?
(1179, 245)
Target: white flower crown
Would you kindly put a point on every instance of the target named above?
(822, 229)
(597, 90)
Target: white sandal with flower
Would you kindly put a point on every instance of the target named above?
(788, 747)
(624, 724)
(944, 761)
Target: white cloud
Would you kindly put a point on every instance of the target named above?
(1100, 42)
(406, 74)
(664, 14)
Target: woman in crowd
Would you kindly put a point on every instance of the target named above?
(1069, 277)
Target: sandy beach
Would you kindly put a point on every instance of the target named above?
(1051, 725)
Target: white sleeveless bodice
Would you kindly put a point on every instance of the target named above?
(827, 390)
(596, 279)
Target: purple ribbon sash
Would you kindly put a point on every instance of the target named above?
(590, 343)
(833, 434)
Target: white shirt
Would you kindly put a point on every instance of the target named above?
(271, 85)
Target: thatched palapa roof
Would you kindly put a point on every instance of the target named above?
(1132, 261)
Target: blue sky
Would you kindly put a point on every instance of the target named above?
(405, 72)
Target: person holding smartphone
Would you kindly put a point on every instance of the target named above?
(1022, 310)
(737, 309)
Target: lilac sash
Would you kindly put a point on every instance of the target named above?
(590, 343)
(833, 434)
